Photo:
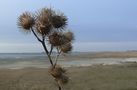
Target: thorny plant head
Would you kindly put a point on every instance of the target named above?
(43, 23)
(26, 21)
(69, 35)
(66, 48)
(50, 25)
(59, 74)
(59, 20)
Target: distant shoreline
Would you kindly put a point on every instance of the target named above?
(38, 60)
(101, 54)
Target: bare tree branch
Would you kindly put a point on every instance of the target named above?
(47, 52)
(51, 49)
(56, 59)
(36, 35)
(43, 44)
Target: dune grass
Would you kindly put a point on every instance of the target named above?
(81, 78)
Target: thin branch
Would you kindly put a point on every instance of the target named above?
(56, 60)
(43, 44)
(59, 87)
(47, 52)
(51, 49)
(36, 35)
(43, 38)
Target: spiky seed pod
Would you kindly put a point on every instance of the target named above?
(26, 21)
(43, 24)
(57, 71)
(43, 29)
(56, 39)
(47, 12)
(59, 21)
(66, 48)
(63, 79)
(59, 74)
(69, 35)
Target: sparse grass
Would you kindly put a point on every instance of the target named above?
(81, 78)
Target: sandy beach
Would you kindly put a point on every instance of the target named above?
(97, 77)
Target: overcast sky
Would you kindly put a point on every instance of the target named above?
(99, 25)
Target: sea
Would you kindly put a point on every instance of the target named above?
(40, 60)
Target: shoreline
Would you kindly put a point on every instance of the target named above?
(71, 63)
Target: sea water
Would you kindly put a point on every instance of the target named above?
(40, 60)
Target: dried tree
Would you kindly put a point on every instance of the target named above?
(49, 27)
